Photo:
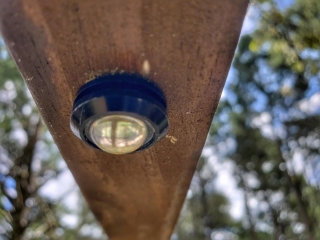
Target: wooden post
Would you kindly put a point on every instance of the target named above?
(186, 47)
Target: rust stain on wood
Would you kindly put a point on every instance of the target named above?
(59, 45)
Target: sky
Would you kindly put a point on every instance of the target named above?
(225, 182)
(65, 186)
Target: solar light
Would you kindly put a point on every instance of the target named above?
(118, 134)
(119, 113)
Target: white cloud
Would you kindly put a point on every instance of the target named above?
(55, 187)
(297, 162)
(226, 184)
(70, 220)
(310, 105)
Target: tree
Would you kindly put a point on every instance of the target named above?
(271, 113)
(267, 129)
(28, 161)
(205, 211)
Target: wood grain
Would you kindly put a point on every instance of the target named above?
(60, 45)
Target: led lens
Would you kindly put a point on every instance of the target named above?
(118, 134)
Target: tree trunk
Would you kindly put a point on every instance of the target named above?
(278, 230)
(253, 233)
(296, 187)
(19, 223)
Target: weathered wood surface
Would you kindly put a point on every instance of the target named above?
(187, 48)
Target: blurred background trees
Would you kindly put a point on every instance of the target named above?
(259, 175)
(266, 131)
(30, 163)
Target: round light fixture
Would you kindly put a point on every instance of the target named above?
(119, 114)
(118, 134)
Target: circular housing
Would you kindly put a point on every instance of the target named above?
(119, 113)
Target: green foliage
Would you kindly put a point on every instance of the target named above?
(265, 130)
(267, 114)
(28, 161)
(204, 210)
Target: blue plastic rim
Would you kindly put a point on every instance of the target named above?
(125, 94)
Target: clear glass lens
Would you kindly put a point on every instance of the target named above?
(118, 134)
